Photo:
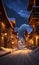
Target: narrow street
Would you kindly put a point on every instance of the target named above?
(19, 57)
(19, 32)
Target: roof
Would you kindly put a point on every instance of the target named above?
(11, 19)
(3, 15)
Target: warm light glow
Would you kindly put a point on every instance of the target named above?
(33, 26)
(12, 42)
(27, 38)
(2, 38)
(23, 52)
(37, 37)
(3, 25)
(5, 33)
(11, 36)
(31, 41)
(19, 41)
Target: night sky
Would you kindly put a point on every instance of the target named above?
(17, 9)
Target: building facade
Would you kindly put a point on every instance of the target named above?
(34, 22)
(6, 28)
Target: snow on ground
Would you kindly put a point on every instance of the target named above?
(4, 51)
(15, 58)
(21, 57)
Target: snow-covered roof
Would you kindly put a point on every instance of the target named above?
(11, 19)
